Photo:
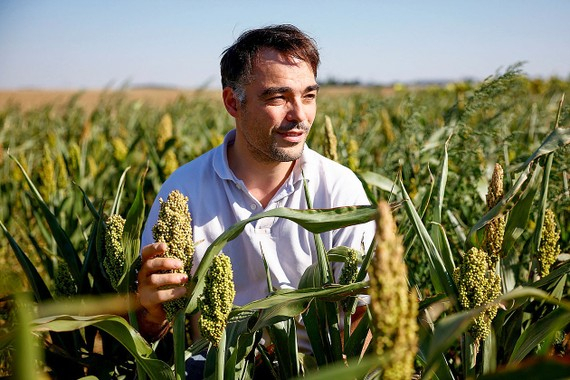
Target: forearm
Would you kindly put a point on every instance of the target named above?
(151, 330)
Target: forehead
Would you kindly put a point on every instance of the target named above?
(272, 64)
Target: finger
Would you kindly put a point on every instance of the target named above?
(159, 264)
(152, 250)
(152, 299)
(160, 280)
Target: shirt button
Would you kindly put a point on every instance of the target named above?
(238, 186)
(253, 206)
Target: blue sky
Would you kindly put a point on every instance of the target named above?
(80, 44)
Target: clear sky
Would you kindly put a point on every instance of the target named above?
(80, 44)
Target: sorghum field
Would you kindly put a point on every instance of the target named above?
(468, 277)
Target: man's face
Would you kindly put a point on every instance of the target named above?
(279, 109)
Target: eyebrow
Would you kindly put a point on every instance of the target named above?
(279, 90)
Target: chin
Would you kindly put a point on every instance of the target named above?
(287, 155)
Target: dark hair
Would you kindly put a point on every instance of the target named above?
(237, 61)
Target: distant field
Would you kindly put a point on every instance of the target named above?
(32, 99)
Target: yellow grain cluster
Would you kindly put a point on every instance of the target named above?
(114, 257)
(331, 142)
(217, 300)
(549, 249)
(164, 131)
(495, 229)
(174, 228)
(394, 308)
(478, 284)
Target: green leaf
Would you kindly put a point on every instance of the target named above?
(119, 193)
(381, 182)
(284, 336)
(63, 242)
(339, 370)
(558, 138)
(316, 221)
(328, 293)
(279, 313)
(537, 332)
(518, 216)
(131, 236)
(240, 342)
(120, 329)
(449, 329)
(442, 279)
(41, 291)
(551, 368)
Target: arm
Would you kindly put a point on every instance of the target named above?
(156, 286)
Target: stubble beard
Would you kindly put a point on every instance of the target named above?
(287, 154)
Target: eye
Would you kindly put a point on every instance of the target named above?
(310, 96)
(275, 100)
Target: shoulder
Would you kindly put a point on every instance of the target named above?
(330, 180)
(191, 172)
(319, 166)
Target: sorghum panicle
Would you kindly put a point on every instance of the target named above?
(64, 284)
(394, 308)
(217, 300)
(164, 131)
(478, 284)
(330, 150)
(48, 184)
(350, 268)
(174, 228)
(495, 229)
(114, 258)
(349, 273)
(120, 149)
(352, 151)
(170, 162)
(549, 249)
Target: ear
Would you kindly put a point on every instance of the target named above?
(230, 101)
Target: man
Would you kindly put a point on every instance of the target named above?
(270, 89)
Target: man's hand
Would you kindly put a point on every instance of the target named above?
(156, 286)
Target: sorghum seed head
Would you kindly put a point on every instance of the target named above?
(114, 258)
(394, 308)
(495, 191)
(330, 150)
(64, 284)
(478, 284)
(174, 228)
(217, 300)
(549, 249)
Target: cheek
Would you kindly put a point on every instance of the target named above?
(311, 112)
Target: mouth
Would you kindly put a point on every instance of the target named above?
(292, 136)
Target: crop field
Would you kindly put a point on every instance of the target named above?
(468, 277)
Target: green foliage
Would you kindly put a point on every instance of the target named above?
(430, 151)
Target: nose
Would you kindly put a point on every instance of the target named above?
(297, 112)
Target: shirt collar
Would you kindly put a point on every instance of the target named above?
(221, 165)
(303, 166)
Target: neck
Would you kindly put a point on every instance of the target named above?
(262, 179)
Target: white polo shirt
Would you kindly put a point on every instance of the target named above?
(218, 200)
